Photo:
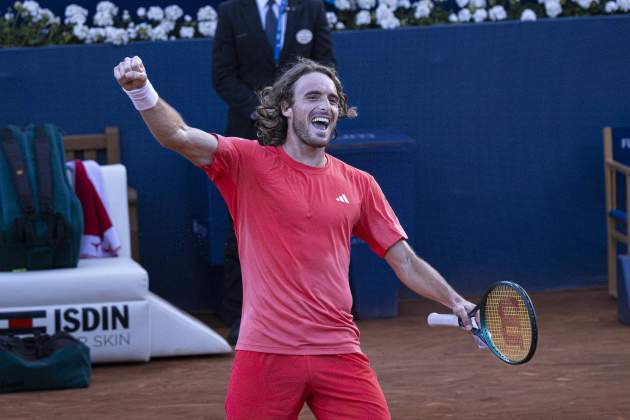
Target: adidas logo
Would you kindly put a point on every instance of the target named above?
(342, 199)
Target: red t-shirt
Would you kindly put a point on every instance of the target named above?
(293, 225)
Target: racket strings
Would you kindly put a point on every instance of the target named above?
(508, 321)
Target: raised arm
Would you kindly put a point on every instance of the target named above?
(423, 279)
(166, 125)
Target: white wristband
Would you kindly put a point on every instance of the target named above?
(144, 98)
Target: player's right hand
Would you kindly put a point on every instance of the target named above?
(462, 309)
(130, 73)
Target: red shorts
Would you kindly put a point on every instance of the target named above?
(276, 386)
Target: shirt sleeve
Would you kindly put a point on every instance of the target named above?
(225, 167)
(378, 225)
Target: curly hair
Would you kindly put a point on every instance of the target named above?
(271, 125)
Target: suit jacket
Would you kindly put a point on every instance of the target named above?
(243, 59)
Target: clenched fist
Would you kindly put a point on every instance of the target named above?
(130, 73)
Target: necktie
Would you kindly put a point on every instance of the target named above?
(271, 22)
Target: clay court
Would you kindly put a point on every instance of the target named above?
(580, 371)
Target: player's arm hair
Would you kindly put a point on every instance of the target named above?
(170, 130)
(420, 276)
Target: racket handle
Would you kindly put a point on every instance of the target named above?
(442, 320)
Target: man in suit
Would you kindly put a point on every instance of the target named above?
(254, 41)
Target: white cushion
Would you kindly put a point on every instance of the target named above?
(115, 179)
(94, 280)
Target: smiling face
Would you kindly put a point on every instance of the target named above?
(312, 117)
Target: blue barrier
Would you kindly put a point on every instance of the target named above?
(623, 288)
(509, 174)
(389, 157)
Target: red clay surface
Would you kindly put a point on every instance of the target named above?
(580, 371)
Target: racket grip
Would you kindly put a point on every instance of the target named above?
(442, 320)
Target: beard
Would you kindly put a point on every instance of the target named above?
(308, 135)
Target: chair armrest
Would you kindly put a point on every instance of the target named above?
(132, 195)
(619, 167)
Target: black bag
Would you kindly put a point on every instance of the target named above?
(43, 362)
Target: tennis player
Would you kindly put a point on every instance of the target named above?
(295, 208)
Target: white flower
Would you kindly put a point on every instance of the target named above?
(95, 35)
(161, 31)
(405, 4)
(528, 15)
(383, 13)
(187, 18)
(385, 17)
(584, 4)
(8, 16)
(132, 32)
(340, 26)
(207, 28)
(497, 13)
(343, 4)
(116, 36)
(480, 15)
(167, 25)
(48, 14)
(624, 5)
(158, 34)
(478, 4)
(391, 23)
(155, 13)
(462, 3)
(611, 7)
(553, 8)
(105, 12)
(32, 9)
(143, 30)
(141, 12)
(453, 18)
(363, 18)
(423, 9)
(392, 4)
(80, 31)
(186, 32)
(207, 13)
(107, 7)
(75, 15)
(463, 15)
(366, 4)
(332, 19)
(173, 12)
(125, 15)
(103, 19)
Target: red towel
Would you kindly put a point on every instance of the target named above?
(99, 236)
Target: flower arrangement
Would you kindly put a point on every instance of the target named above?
(27, 24)
(388, 14)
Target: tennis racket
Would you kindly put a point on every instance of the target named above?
(507, 322)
